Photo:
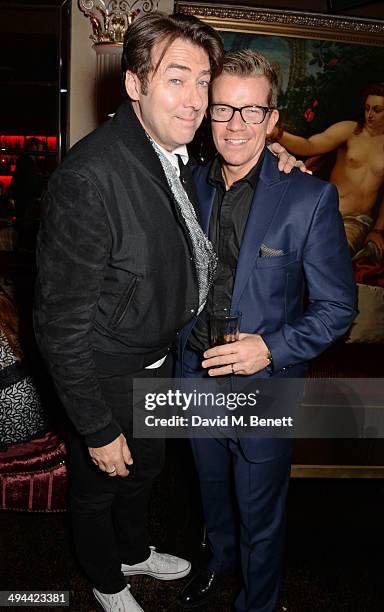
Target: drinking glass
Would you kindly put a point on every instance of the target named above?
(225, 327)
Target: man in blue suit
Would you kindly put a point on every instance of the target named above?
(284, 263)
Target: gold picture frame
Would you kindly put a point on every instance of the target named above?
(286, 23)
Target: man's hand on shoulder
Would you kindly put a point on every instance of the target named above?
(246, 356)
(112, 458)
(286, 161)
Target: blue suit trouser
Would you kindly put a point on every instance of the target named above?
(244, 505)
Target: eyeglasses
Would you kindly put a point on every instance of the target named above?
(249, 114)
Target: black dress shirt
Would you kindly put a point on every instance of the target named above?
(228, 220)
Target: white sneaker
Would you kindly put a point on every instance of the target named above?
(160, 566)
(118, 602)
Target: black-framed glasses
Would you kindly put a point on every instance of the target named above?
(249, 114)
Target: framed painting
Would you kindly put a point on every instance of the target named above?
(325, 64)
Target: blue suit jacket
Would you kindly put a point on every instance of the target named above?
(300, 301)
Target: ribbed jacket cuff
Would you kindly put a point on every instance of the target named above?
(103, 436)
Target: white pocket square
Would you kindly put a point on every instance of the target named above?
(266, 251)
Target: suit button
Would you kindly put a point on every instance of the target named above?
(192, 310)
(183, 180)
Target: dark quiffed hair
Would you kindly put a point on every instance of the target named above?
(154, 28)
(248, 63)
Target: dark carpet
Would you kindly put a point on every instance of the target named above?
(333, 561)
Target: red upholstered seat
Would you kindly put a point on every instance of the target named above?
(33, 476)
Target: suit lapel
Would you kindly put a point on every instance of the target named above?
(269, 191)
(206, 195)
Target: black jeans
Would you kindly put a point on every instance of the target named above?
(109, 515)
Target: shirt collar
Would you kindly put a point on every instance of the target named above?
(183, 152)
(172, 156)
(215, 176)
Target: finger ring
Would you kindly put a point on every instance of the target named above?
(112, 471)
(233, 370)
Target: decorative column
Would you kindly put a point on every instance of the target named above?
(109, 20)
(109, 86)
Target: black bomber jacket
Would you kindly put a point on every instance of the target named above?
(116, 279)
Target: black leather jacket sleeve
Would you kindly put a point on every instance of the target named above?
(73, 247)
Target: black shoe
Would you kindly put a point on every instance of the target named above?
(200, 589)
